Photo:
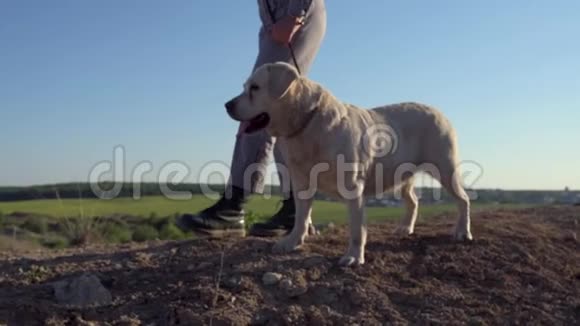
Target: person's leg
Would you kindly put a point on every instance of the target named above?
(306, 44)
(283, 220)
(251, 151)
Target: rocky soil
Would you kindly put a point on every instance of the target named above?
(523, 267)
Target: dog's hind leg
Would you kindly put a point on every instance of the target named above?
(450, 180)
(358, 233)
(407, 225)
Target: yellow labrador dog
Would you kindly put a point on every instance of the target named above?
(349, 153)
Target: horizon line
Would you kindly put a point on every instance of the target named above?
(272, 185)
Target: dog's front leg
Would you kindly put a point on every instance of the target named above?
(302, 221)
(358, 233)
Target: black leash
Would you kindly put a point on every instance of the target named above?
(289, 45)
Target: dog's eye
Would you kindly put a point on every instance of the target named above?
(254, 87)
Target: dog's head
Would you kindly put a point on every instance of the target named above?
(266, 100)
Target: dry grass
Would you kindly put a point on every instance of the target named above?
(8, 243)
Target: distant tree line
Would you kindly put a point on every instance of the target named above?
(111, 190)
(102, 190)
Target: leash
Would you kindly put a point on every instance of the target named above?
(271, 12)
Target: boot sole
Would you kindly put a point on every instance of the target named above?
(211, 233)
(219, 234)
(268, 233)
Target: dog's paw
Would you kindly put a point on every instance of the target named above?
(403, 230)
(286, 245)
(349, 260)
(461, 234)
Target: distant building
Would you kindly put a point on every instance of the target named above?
(548, 200)
(375, 202)
(568, 197)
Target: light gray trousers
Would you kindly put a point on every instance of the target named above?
(252, 151)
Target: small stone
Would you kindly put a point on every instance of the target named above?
(314, 274)
(233, 282)
(83, 291)
(286, 284)
(293, 290)
(293, 315)
(314, 261)
(315, 317)
(271, 278)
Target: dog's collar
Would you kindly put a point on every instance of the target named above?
(304, 125)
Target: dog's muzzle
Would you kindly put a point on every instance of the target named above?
(230, 107)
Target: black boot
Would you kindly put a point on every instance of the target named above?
(281, 223)
(225, 217)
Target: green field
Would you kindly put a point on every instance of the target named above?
(323, 211)
(55, 223)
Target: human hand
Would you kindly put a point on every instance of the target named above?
(283, 31)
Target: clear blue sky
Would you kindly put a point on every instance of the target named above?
(79, 77)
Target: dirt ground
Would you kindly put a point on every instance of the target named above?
(523, 267)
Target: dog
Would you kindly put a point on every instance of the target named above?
(349, 153)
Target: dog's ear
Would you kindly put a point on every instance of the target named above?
(281, 76)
